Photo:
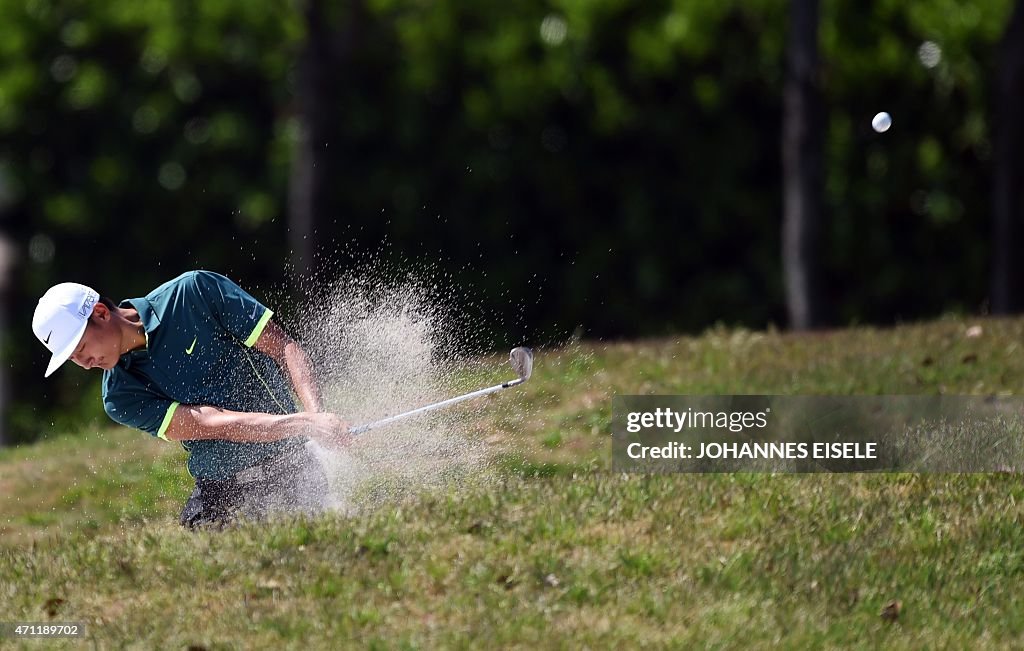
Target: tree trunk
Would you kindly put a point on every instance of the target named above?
(7, 260)
(802, 125)
(307, 200)
(1008, 172)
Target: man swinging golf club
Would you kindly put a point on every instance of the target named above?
(198, 360)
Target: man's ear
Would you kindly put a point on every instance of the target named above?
(100, 312)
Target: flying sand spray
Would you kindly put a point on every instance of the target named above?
(419, 457)
(381, 346)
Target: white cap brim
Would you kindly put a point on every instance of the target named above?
(62, 355)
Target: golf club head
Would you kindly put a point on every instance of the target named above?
(521, 359)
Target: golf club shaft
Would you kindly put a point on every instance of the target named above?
(437, 405)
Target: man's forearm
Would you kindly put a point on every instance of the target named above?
(193, 423)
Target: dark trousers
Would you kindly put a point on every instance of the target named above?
(293, 483)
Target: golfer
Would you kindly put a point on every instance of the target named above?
(198, 360)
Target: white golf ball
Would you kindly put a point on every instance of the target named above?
(881, 122)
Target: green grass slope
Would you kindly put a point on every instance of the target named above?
(553, 550)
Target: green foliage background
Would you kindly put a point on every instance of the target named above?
(602, 163)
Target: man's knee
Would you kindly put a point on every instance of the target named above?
(207, 508)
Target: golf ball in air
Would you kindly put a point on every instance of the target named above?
(881, 122)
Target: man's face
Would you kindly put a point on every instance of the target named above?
(100, 344)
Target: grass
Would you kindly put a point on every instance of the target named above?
(555, 550)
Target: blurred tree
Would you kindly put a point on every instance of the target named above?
(909, 210)
(802, 159)
(612, 165)
(1008, 172)
(136, 141)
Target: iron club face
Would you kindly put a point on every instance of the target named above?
(521, 359)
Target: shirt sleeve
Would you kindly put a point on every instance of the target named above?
(134, 405)
(233, 307)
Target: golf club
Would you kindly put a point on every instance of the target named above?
(520, 358)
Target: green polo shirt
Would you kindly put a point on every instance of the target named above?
(200, 329)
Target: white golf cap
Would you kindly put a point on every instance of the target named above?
(60, 319)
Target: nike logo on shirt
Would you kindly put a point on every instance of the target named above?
(188, 351)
